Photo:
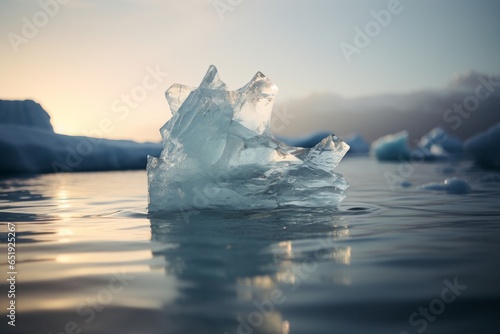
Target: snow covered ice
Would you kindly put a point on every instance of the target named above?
(28, 144)
(219, 154)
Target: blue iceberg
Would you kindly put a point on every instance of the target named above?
(391, 147)
(440, 143)
(485, 148)
(453, 185)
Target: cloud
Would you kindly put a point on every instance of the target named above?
(468, 104)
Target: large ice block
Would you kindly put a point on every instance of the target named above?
(219, 154)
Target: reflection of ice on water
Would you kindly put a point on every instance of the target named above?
(321, 250)
(294, 267)
(262, 255)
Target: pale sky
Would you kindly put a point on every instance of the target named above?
(81, 58)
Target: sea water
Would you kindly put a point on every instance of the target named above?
(89, 258)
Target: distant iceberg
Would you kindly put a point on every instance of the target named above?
(438, 142)
(357, 144)
(485, 148)
(25, 113)
(452, 185)
(219, 154)
(391, 147)
(28, 144)
(434, 145)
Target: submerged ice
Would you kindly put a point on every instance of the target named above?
(219, 154)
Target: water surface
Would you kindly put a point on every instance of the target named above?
(91, 260)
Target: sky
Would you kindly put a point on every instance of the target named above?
(93, 61)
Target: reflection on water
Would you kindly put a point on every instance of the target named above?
(246, 263)
(90, 258)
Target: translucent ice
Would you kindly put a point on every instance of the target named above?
(219, 154)
(309, 140)
(357, 143)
